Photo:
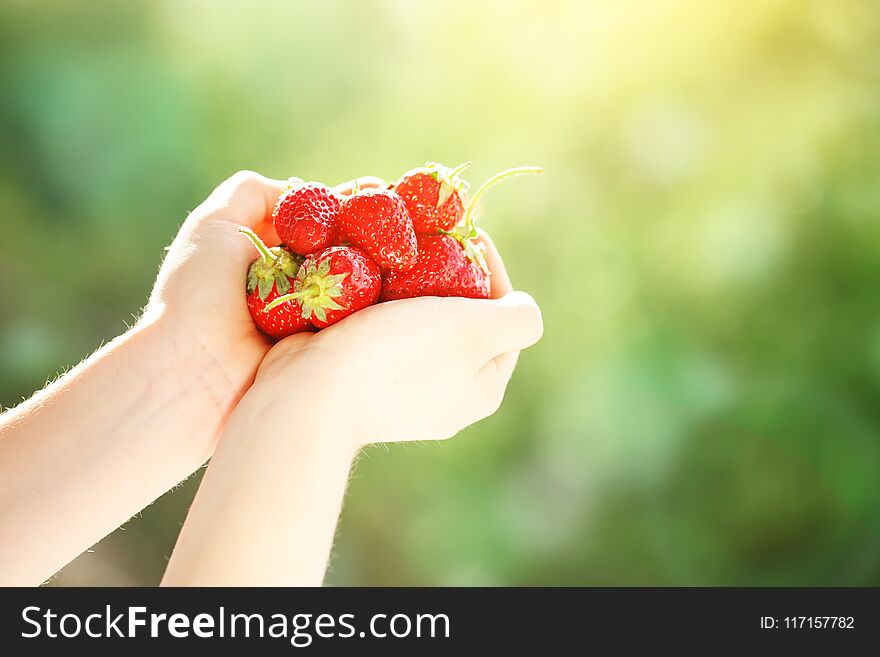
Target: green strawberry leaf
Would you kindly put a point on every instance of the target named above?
(447, 189)
(265, 286)
(477, 253)
(251, 280)
(282, 283)
(289, 263)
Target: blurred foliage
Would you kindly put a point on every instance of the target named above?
(705, 405)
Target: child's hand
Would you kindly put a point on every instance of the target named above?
(413, 369)
(200, 289)
(416, 369)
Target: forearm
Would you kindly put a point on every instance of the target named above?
(267, 509)
(82, 456)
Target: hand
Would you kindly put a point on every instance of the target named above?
(266, 511)
(415, 369)
(200, 287)
(90, 450)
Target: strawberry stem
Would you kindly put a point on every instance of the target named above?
(489, 184)
(457, 170)
(283, 299)
(265, 253)
(311, 291)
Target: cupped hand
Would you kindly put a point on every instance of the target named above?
(414, 369)
(200, 289)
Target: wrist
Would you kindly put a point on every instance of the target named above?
(231, 360)
(283, 417)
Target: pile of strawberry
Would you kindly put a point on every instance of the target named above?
(341, 254)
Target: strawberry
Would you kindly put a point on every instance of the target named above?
(376, 221)
(331, 285)
(452, 263)
(434, 196)
(305, 217)
(442, 269)
(270, 276)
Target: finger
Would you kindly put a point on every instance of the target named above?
(491, 327)
(499, 369)
(490, 384)
(499, 281)
(246, 198)
(364, 182)
(286, 350)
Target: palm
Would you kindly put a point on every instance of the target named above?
(203, 278)
(222, 298)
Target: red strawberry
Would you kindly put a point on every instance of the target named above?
(443, 269)
(434, 196)
(376, 221)
(331, 285)
(270, 276)
(305, 217)
(451, 264)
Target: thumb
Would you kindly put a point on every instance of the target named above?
(499, 326)
(245, 198)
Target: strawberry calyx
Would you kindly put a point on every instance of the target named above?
(465, 232)
(449, 179)
(275, 267)
(316, 289)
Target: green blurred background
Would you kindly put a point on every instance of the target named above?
(705, 405)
